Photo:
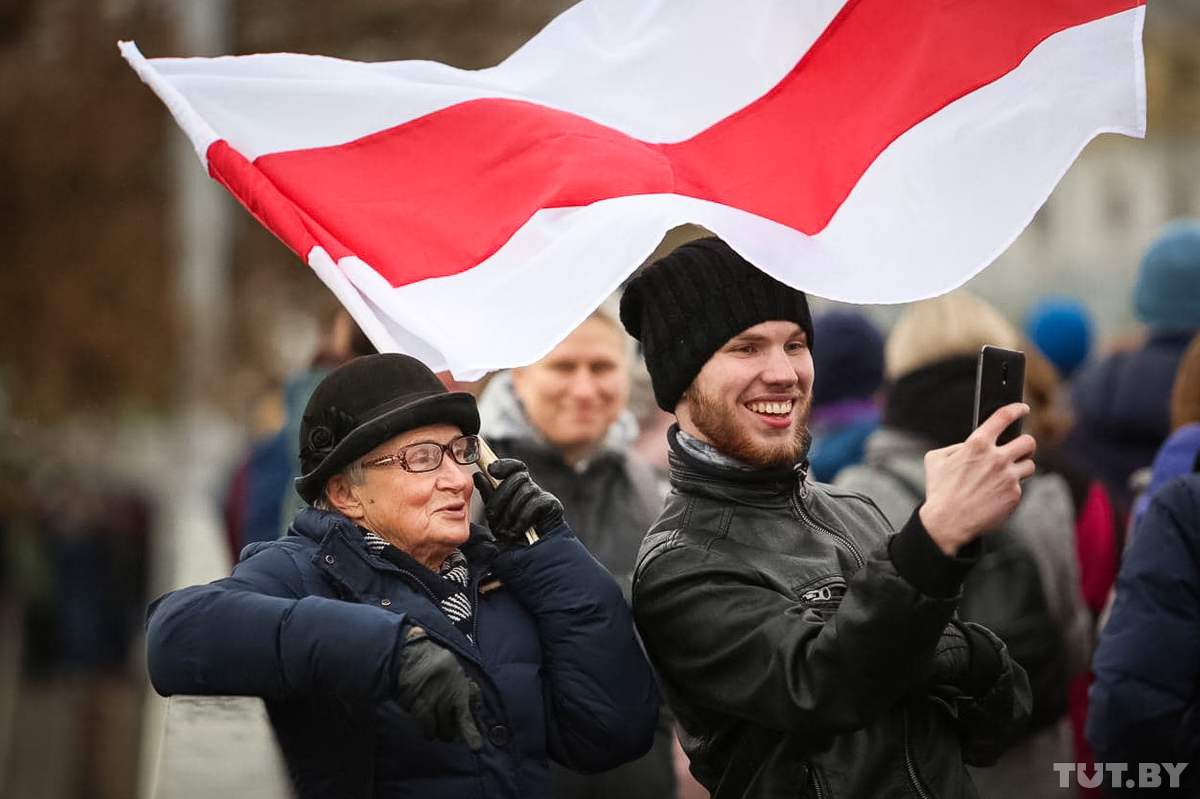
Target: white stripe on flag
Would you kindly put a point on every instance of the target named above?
(692, 63)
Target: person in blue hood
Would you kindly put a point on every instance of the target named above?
(401, 650)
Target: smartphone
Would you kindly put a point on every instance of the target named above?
(999, 381)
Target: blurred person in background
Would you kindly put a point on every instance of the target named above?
(1097, 534)
(1061, 328)
(1121, 402)
(261, 498)
(1148, 574)
(847, 378)
(650, 445)
(401, 650)
(1026, 586)
(1178, 451)
(566, 416)
(27, 585)
(1098, 522)
(81, 690)
(99, 536)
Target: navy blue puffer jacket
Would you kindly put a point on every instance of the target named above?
(1143, 705)
(314, 623)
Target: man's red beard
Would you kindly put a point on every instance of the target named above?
(723, 432)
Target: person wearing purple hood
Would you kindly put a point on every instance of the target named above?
(1179, 450)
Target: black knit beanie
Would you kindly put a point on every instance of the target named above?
(687, 304)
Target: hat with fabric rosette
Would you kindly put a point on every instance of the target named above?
(368, 401)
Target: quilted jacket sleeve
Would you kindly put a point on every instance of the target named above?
(1143, 705)
(602, 698)
(253, 634)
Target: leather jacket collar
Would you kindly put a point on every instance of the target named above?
(772, 485)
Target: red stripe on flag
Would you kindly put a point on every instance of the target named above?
(435, 196)
(262, 198)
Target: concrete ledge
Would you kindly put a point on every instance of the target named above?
(219, 747)
(203, 747)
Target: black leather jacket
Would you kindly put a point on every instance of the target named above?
(794, 636)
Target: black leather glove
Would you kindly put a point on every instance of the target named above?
(951, 658)
(964, 659)
(435, 690)
(516, 504)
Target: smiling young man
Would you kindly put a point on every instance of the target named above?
(804, 646)
(751, 399)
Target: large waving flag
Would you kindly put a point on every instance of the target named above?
(868, 151)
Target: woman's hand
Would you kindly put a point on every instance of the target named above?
(435, 690)
(517, 504)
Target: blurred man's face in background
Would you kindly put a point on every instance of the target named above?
(575, 393)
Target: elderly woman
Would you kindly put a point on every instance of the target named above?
(400, 649)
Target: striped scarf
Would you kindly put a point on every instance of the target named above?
(448, 585)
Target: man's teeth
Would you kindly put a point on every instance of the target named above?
(777, 408)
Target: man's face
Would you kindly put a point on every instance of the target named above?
(751, 399)
(575, 393)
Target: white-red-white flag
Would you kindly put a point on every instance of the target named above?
(868, 151)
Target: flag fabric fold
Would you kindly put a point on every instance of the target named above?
(867, 151)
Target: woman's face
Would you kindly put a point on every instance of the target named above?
(425, 514)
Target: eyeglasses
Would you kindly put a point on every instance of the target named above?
(426, 456)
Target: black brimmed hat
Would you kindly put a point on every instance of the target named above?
(366, 402)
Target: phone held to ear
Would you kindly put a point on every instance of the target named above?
(999, 381)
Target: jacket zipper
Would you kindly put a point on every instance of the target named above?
(479, 592)
(414, 580)
(798, 504)
(818, 791)
(911, 764)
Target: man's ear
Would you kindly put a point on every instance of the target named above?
(341, 494)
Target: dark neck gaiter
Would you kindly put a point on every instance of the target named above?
(935, 401)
